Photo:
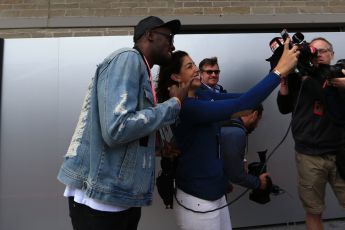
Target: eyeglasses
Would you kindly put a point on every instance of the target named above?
(209, 72)
(322, 51)
(170, 37)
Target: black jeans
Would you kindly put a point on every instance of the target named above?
(86, 218)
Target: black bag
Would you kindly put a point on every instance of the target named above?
(165, 181)
(340, 162)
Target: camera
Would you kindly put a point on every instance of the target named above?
(257, 168)
(332, 71)
(305, 64)
(334, 98)
(335, 70)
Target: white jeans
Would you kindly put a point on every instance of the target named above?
(188, 220)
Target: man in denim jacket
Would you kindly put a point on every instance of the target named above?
(109, 167)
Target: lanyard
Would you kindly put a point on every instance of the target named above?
(152, 87)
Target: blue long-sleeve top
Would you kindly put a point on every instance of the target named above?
(200, 170)
(234, 143)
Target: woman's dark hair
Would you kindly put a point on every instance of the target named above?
(165, 72)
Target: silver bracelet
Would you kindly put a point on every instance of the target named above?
(277, 73)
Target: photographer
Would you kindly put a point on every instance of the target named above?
(317, 138)
(234, 146)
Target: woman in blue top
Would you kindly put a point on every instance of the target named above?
(200, 179)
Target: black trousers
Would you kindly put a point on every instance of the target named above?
(86, 218)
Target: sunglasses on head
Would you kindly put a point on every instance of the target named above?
(170, 37)
(209, 72)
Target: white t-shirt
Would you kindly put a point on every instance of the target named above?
(81, 198)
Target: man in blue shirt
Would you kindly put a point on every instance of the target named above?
(234, 146)
(209, 73)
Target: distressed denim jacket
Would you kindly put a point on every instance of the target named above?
(112, 152)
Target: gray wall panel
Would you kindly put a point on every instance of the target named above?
(44, 83)
(28, 134)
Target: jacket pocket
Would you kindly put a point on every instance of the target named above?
(137, 170)
(144, 179)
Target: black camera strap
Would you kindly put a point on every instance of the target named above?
(212, 210)
(237, 124)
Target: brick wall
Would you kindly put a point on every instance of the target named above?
(35, 18)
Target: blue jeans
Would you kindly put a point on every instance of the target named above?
(86, 218)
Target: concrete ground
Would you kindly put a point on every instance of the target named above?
(337, 224)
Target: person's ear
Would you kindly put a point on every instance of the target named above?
(254, 115)
(332, 54)
(149, 35)
(175, 77)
